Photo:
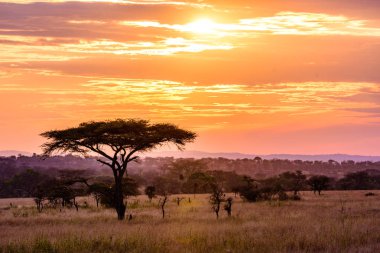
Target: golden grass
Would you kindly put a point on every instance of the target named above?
(333, 222)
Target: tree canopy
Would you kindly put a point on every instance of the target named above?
(119, 135)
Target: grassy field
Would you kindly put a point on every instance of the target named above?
(333, 222)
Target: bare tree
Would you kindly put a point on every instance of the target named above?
(162, 204)
(216, 198)
(163, 190)
(179, 199)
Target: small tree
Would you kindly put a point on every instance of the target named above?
(293, 181)
(228, 206)
(98, 190)
(39, 198)
(105, 193)
(179, 199)
(249, 190)
(163, 190)
(117, 142)
(318, 183)
(216, 198)
(150, 191)
(198, 181)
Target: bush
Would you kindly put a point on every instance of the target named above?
(250, 194)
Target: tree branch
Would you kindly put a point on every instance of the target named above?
(103, 162)
(133, 158)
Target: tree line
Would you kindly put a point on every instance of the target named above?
(118, 143)
(180, 177)
(150, 167)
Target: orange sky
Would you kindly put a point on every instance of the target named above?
(276, 76)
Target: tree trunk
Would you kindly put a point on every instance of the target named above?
(119, 199)
(163, 206)
(217, 210)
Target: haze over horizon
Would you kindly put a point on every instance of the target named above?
(264, 77)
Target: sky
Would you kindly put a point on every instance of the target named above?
(258, 77)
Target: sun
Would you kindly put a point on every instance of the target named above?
(202, 26)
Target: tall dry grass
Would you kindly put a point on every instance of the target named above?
(333, 222)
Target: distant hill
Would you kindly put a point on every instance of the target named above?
(326, 157)
(201, 154)
(14, 153)
(257, 168)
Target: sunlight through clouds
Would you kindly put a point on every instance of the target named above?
(208, 65)
(283, 23)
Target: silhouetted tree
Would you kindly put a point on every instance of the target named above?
(163, 190)
(43, 191)
(249, 190)
(162, 202)
(117, 142)
(150, 191)
(179, 199)
(198, 181)
(216, 198)
(228, 206)
(105, 193)
(318, 183)
(358, 181)
(293, 181)
(25, 183)
(98, 191)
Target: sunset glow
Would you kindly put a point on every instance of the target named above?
(248, 76)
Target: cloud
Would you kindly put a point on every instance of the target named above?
(121, 2)
(283, 23)
(63, 31)
(369, 111)
(187, 100)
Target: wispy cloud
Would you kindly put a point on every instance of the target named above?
(124, 2)
(184, 100)
(283, 23)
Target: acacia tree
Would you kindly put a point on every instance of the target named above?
(293, 181)
(319, 183)
(150, 191)
(117, 143)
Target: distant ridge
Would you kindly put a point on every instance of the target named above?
(201, 154)
(325, 157)
(14, 153)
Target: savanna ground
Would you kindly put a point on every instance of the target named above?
(334, 222)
